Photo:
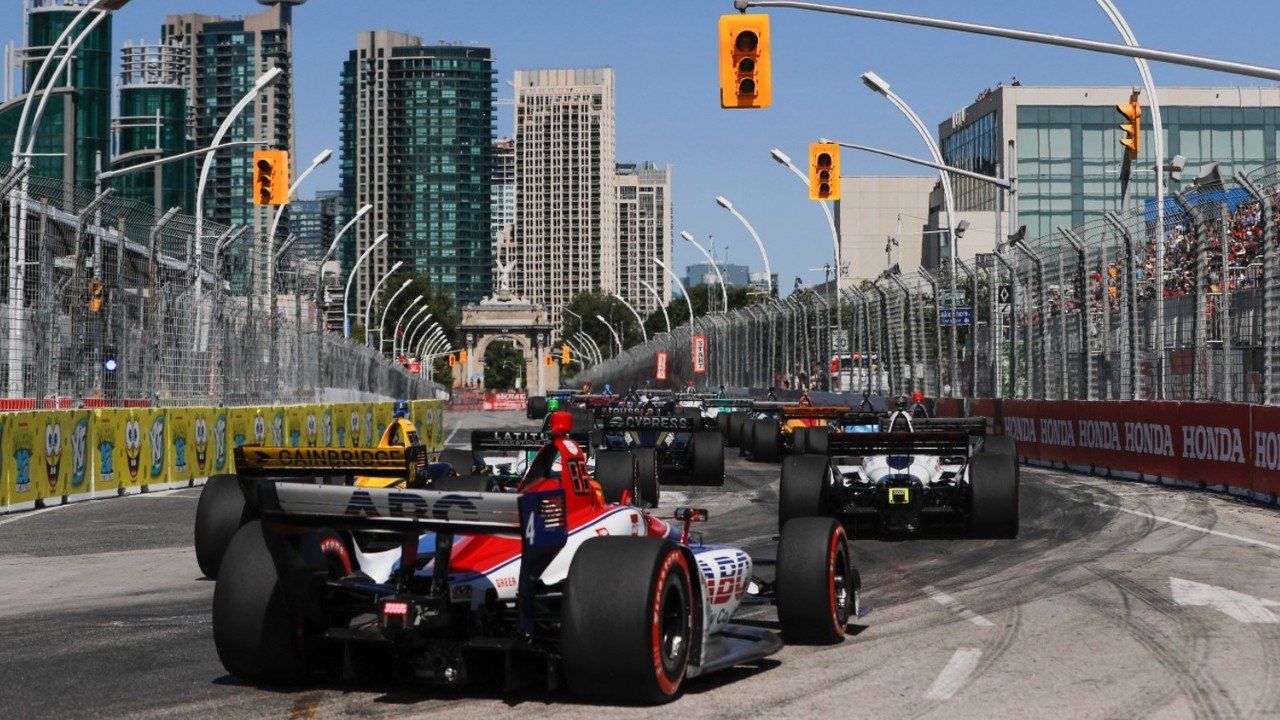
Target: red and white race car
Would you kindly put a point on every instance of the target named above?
(549, 582)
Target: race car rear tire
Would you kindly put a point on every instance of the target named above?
(647, 483)
(257, 636)
(764, 441)
(993, 496)
(816, 584)
(733, 429)
(800, 441)
(722, 423)
(708, 458)
(536, 409)
(1000, 445)
(691, 413)
(219, 514)
(615, 647)
(802, 489)
(615, 473)
(462, 461)
(745, 436)
(583, 421)
(819, 440)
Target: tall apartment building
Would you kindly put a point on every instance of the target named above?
(503, 191)
(152, 124)
(417, 144)
(74, 130)
(566, 222)
(644, 233)
(314, 222)
(224, 57)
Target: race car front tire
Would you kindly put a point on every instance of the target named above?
(708, 458)
(629, 620)
(722, 423)
(764, 441)
(800, 441)
(818, 440)
(745, 436)
(993, 496)
(257, 636)
(647, 483)
(219, 514)
(802, 489)
(536, 409)
(616, 473)
(816, 584)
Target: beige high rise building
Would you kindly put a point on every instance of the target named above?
(871, 210)
(644, 233)
(566, 222)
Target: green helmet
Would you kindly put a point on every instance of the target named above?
(553, 404)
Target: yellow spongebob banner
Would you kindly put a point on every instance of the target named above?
(221, 441)
(428, 416)
(106, 431)
(381, 419)
(200, 453)
(303, 425)
(179, 433)
(23, 441)
(60, 466)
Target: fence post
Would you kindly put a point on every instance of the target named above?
(1129, 310)
(1228, 385)
(1199, 330)
(1082, 300)
(937, 331)
(1266, 284)
(973, 336)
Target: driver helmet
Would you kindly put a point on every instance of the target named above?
(553, 404)
(400, 409)
(607, 391)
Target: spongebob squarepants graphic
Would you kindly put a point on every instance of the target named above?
(52, 453)
(354, 424)
(179, 432)
(133, 447)
(106, 458)
(156, 436)
(200, 436)
(328, 427)
(22, 460)
(259, 429)
(277, 429)
(220, 442)
(80, 455)
(368, 426)
(311, 430)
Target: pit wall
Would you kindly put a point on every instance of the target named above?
(49, 457)
(1226, 447)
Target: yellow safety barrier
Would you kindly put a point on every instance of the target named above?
(48, 457)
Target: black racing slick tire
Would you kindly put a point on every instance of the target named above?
(462, 461)
(745, 430)
(733, 429)
(800, 441)
(802, 489)
(993, 496)
(819, 440)
(722, 423)
(1000, 445)
(257, 636)
(536, 409)
(708, 458)
(219, 514)
(816, 586)
(647, 483)
(584, 421)
(765, 443)
(629, 620)
(616, 473)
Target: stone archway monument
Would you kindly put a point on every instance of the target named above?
(505, 316)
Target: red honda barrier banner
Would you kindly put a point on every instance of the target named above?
(504, 400)
(465, 398)
(700, 354)
(661, 372)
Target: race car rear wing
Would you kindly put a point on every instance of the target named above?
(941, 443)
(396, 510)
(285, 462)
(652, 422)
(971, 425)
(729, 402)
(482, 440)
(814, 411)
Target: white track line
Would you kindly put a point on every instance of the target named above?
(454, 432)
(955, 674)
(23, 514)
(955, 606)
(1188, 526)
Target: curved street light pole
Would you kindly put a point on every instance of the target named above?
(590, 342)
(661, 306)
(382, 321)
(346, 294)
(723, 202)
(399, 347)
(878, 85)
(613, 332)
(333, 246)
(724, 292)
(683, 290)
(395, 329)
(640, 323)
(1157, 126)
(373, 296)
(785, 160)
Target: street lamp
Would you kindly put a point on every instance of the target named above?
(683, 290)
(785, 160)
(590, 342)
(640, 323)
(382, 321)
(368, 306)
(723, 202)
(395, 329)
(333, 246)
(877, 84)
(398, 347)
(346, 294)
(316, 162)
(661, 306)
(724, 292)
(612, 332)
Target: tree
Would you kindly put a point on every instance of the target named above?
(439, 303)
(503, 365)
(588, 306)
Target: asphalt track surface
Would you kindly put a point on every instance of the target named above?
(1118, 600)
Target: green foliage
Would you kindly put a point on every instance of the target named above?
(503, 366)
(589, 305)
(440, 305)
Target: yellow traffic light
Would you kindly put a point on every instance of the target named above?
(270, 177)
(824, 171)
(549, 361)
(462, 356)
(1132, 126)
(453, 360)
(565, 357)
(745, 77)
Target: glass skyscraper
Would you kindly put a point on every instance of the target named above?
(1066, 142)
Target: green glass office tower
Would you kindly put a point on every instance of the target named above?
(75, 128)
(152, 124)
(417, 144)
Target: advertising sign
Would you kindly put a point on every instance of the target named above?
(700, 354)
(661, 372)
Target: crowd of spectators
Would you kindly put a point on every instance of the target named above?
(1244, 254)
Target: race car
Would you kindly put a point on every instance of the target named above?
(916, 474)
(778, 428)
(226, 500)
(552, 583)
(504, 455)
(670, 443)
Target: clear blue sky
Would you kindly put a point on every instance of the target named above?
(664, 52)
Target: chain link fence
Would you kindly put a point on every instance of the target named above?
(107, 302)
(1085, 313)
